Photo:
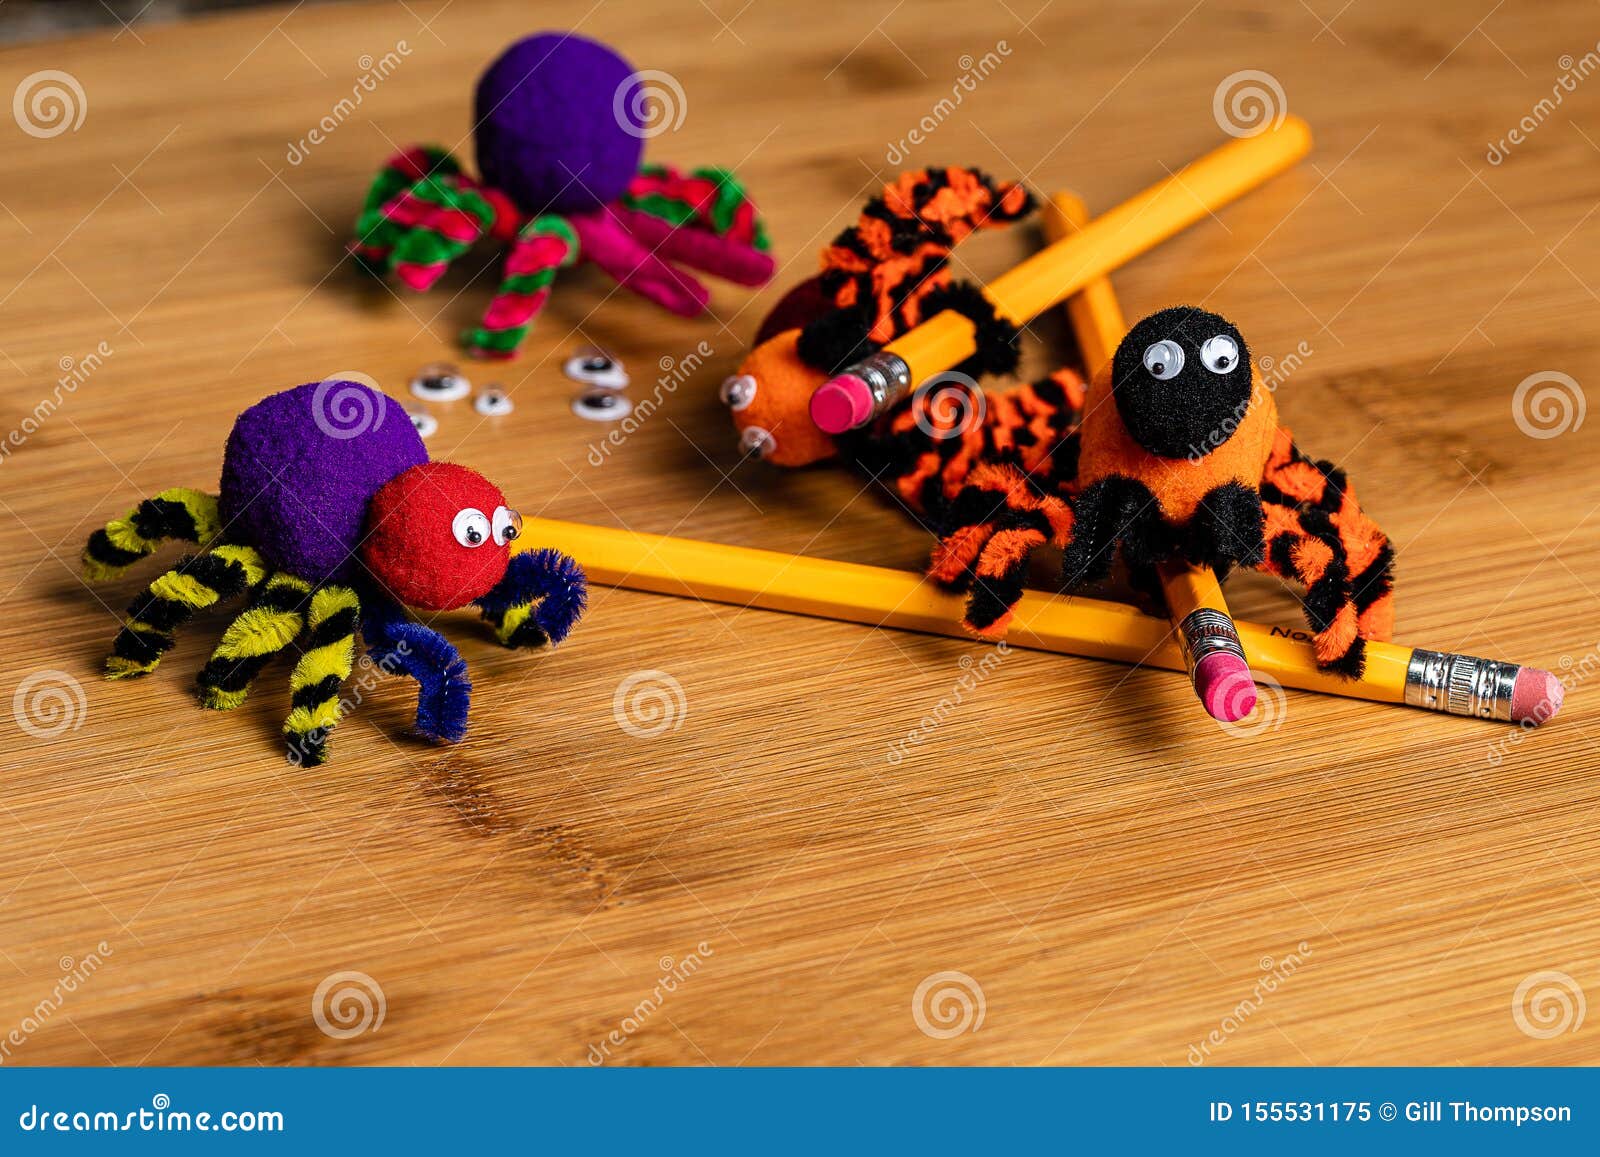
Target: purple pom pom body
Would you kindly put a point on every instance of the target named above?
(548, 130)
(301, 467)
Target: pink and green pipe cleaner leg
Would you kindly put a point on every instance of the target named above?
(712, 198)
(439, 219)
(543, 246)
(704, 219)
(376, 234)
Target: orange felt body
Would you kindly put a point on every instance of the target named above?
(783, 388)
(1178, 484)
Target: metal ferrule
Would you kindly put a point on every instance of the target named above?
(1460, 684)
(888, 378)
(1207, 632)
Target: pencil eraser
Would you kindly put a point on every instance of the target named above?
(1225, 687)
(840, 404)
(1536, 696)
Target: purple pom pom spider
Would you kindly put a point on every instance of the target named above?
(332, 519)
(559, 135)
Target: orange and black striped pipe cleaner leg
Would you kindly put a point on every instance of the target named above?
(1318, 535)
(1002, 519)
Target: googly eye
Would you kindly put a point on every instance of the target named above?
(596, 369)
(493, 402)
(1163, 360)
(602, 406)
(738, 392)
(471, 527)
(440, 382)
(1219, 354)
(754, 440)
(427, 425)
(507, 524)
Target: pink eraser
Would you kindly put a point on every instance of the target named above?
(1536, 696)
(1225, 687)
(840, 404)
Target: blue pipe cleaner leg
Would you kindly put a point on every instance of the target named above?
(400, 646)
(539, 600)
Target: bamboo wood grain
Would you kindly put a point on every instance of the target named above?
(832, 814)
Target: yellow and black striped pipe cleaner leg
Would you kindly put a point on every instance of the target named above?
(194, 584)
(323, 667)
(180, 513)
(273, 620)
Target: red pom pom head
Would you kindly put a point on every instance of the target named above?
(439, 536)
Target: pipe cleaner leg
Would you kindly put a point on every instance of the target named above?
(1000, 520)
(543, 246)
(400, 646)
(539, 600)
(323, 667)
(1318, 535)
(1113, 512)
(179, 513)
(199, 581)
(376, 231)
(274, 619)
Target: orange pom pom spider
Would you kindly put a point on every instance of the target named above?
(1180, 455)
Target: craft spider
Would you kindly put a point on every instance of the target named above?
(1183, 458)
(332, 518)
(559, 136)
(1179, 455)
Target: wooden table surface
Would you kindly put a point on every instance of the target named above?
(1110, 876)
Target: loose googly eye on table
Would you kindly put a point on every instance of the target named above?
(595, 368)
(602, 406)
(440, 382)
(493, 402)
(427, 425)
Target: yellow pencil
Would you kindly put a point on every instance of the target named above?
(1093, 628)
(1216, 658)
(866, 389)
